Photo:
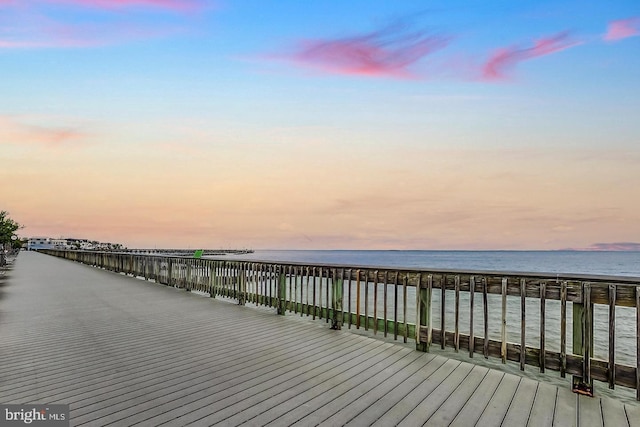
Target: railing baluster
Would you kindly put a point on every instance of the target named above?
(485, 308)
(327, 302)
(314, 294)
(543, 295)
(395, 306)
(503, 331)
(563, 328)
(587, 333)
(612, 336)
(404, 305)
(358, 299)
(366, 300)
(307, 299)
(349, 297)
(375, 300)
(430, 311)
(523, 323)
(456, 334)
(443, 291)
(472, 291)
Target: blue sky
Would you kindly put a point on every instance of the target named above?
(376, 124)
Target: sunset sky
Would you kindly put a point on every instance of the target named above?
(322, 124)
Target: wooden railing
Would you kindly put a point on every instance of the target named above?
(479, 311)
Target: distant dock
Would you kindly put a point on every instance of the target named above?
(189, 252)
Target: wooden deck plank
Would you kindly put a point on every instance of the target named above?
(613, 413)
(589, 412)
(521, 404)
(544, 404)
(429, 405)
(454, 403)
(345, 366)
(332, 392)
(500, 402)
(565, 413)
(233, 379)
(396, 413)
(351, 412)
(344, 395)
(475, 405)
(273, 408)
(633, 414)
(398, 393)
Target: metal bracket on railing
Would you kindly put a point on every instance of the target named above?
(581, 387)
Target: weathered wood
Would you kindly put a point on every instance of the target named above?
(543, 287)
(485, 307)
(357, 299)
(404, 308)
(337, 285)
(375, 299)
(523, 323)
(472, 290)
(563, 329)
(612, 336)
(327, 287)
(282, 291)
(638, 343)
(395, 305)
(456, 344)
(420, 311)
(503, 332)
(443, 306)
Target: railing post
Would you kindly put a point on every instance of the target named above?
(337, 292)
(582, 341)
(242, 283)
(424, 313)
(189, 276)
(282, 290)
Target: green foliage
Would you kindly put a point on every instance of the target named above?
(8, 227)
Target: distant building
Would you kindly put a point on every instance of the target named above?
(36, 243)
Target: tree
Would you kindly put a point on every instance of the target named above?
(8, 228)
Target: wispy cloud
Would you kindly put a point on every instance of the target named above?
(55, 23)
(622, 29)
(618, 246)
(506, 58)
(176, 5)
(389, 52)
(18, 132)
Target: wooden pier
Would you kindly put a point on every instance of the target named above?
(121, 350)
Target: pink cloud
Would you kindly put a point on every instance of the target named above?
(32, 26)
(622, 28)
(176, 5)
(17, 132)
(386, 53)
(506, 58)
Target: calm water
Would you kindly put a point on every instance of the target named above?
(607, 263)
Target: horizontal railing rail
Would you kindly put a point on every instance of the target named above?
(587, 326)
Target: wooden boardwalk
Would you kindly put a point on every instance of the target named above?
(123, 351)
